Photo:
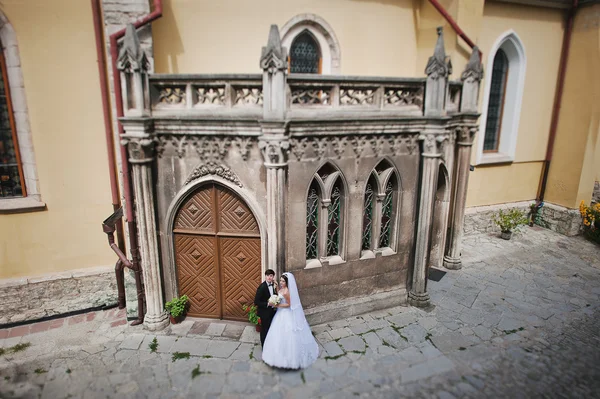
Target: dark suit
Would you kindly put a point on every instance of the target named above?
(264, 311)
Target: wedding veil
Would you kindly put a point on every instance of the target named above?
(295, 305)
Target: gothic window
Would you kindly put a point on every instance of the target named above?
(11, 171)
(496, 102)
(325, 205)
(503, 96)
(380, 211)
(305, 54)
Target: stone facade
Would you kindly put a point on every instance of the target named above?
(36, 297)
(596, 193)
(274, 141)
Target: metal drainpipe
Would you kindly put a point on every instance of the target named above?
(556, 107)
(114, 186)
(130, 216)
(454, 24)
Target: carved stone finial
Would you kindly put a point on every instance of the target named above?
(132, 57)
(474, 69)
(274, 56)
(436, 65)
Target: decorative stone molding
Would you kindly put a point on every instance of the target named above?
(211, 148)
(140, 150)
(465, 135)
(132, 58)
(474, 70)
(244, 145)
(274, 151)
(211, 168)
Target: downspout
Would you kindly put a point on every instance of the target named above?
(454, 24)
(564, 56)
(112, 170)
(135, 265)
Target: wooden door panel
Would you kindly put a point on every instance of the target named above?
(198, 274)
(234, 214)
(240, 272)
(196, 213)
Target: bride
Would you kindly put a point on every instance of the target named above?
(289, 343)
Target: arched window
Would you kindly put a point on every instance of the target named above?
(305, 54)
(502, 100)
(325, 209)
(19, 184)
(11, 171)
(313, 45)
(496, 102)
(380, 213)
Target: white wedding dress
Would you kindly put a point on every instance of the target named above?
(290, 343)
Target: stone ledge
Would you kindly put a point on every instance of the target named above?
(354, 306)
(20, 205)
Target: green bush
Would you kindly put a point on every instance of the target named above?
(510, 220)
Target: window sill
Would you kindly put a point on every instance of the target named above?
(313, 264)
(495, 157)
(372, 254)
(367, 254)
(386, 251)
(21, 205)
(330, 260)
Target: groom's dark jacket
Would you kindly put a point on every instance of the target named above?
(261, 300)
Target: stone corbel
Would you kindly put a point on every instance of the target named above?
(275, 152)
(432, 144)
(465, 135)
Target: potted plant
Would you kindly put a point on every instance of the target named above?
(251, 311)
(509, 221)
(177, 308)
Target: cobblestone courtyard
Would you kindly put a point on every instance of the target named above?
(521, 319)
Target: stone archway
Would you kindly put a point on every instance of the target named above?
(441, 208)
(217, 252)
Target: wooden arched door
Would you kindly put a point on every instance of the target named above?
(217, 253)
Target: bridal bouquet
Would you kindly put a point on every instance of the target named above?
(274, 300)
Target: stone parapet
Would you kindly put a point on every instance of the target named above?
(31, 298)
(556, 218)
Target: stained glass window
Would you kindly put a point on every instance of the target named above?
(496, 102)
(367, 234)
(386, 216)
(305, 55)
(312, 224)
(11, 174)
(333, 223)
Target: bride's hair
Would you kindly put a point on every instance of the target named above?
(283, 276)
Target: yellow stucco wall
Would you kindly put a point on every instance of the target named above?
(203, 36)
(541, 32)
(575, 163)
(56, 44)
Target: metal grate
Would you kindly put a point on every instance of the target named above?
(305, 56)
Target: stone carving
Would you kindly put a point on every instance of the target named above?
(474, 70)
(212, 168)
(244, 144)
(299, 147)
(385, 143)
(274, 56)
(339, 146)
(465, 134)
(404, 96)
(132, 57)
(437, 65)
(358, 145)
(430, 144)
(357, 96)
(172, 95)
(310, 96)
(213, 148)
(320, 146)
(248, 96)
(211, 95)
(274, 151)
(140, 149)
(180, 144)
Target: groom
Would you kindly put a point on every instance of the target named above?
(261, 300)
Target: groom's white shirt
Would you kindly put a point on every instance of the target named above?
(270, 288)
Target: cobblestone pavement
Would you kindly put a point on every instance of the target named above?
(521, 319)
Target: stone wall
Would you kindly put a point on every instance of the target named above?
(556, 218)
(31, 298)
(596, 193)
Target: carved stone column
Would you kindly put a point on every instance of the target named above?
(464, 143)
(471, 78)
(140, 146)
(275, 148)
(275, 145)
(418, 295)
